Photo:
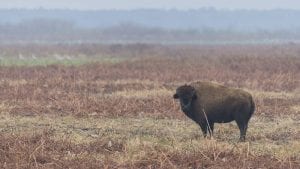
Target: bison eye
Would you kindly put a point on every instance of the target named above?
(185, 101)
(175, 96)
(194, 97)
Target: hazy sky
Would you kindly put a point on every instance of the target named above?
(133, 4)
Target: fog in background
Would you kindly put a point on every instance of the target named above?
(146, 4)
(150, 21)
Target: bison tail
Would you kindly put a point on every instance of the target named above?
(252, 108)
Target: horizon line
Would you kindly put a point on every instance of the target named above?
(162, 9)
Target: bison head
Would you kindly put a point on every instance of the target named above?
(186, 95)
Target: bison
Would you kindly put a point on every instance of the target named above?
(207, 103)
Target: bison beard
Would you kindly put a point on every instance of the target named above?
(207, 103)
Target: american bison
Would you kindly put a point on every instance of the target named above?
(208, 103)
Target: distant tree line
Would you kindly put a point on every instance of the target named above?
(203, 25)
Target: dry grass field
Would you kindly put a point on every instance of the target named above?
(111, 106)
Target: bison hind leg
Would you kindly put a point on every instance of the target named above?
(242, 118)
(243, 126)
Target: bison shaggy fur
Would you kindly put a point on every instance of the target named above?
(208, 103)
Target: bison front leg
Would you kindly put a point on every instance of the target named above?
(210, 128)
(203, 127)
(207, 127)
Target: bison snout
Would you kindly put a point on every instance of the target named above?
(186, 107)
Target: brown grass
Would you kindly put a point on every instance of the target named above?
(122, 115)
(143, 143)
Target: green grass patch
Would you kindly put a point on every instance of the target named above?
(45, 61)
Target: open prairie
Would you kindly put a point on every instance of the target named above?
(111, 106)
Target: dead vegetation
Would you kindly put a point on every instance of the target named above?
(122, 115)
(69, 142)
